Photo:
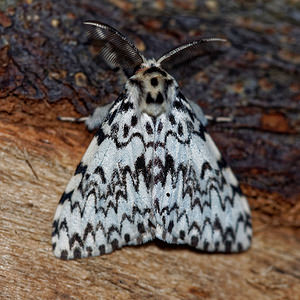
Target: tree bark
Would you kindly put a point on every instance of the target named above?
(47, 70)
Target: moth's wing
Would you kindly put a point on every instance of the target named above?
(106, 204)
(97, 117)
(196, 109)
(197, 199)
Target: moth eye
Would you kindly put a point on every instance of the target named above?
(154, 81)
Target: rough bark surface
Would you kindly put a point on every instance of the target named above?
(47, 69)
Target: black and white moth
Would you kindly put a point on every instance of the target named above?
(152, 170)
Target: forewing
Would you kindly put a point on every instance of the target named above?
(106, 204)
(197, 199)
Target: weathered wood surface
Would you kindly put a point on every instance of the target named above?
(46, 70)
(36, 164)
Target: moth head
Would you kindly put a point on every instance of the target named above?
(149, 78)
(154, 87)
(157, 88)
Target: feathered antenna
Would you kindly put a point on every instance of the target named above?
(187, 52)
(114, 47)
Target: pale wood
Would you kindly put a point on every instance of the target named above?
(36, 164)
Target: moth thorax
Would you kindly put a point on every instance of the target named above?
(153, 90)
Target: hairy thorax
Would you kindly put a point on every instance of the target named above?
(155, 89)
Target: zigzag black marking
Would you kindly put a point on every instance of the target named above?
(110, 190)
(90, 229)
(65, 196)
(141, 168)
(228, 234)
(183, 105)
(191, 182)
(121, 145)
(100, 136)
(58, 226)
(117, 183)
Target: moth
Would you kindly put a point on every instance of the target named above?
(152, 170)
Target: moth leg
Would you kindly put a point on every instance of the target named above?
(94, 120)
(72, 120)
(219, 119)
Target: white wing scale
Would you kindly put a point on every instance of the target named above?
(197, 199)
(142, 178)
(107, 203)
